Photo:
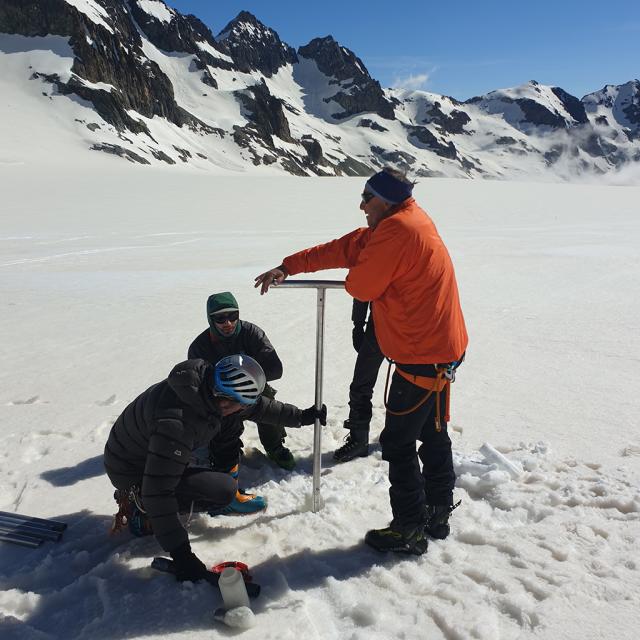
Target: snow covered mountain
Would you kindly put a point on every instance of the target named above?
(138, 79)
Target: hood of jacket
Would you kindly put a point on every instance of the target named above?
(192, 382)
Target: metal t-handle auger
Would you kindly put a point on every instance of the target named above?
(321, 286)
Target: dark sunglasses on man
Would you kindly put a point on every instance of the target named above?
(221, 318)
(366, 196)
(223, 396)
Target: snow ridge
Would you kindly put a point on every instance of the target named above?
(246, 100)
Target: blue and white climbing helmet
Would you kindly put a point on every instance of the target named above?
(239, 377)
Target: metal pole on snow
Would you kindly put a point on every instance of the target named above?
(321, 286)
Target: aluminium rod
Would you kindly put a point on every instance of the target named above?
(25, 541)
(49, 524)
(321, 286)
(317, 427)
(17, 522)
(35, 532)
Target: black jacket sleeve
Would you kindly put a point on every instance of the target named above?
(260, 348)
(275, 412)
(198, 348)
(225, 447)
(359, 311)
(167, 457)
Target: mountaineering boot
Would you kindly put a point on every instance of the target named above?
(356, 445)
(282, 457)
(437, 520)
(397, 538)
(243, 504)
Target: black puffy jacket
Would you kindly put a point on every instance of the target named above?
(152, 440)
(250, 340)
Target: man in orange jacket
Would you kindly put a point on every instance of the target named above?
(402, 266)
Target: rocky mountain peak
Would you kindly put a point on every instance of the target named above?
(171, 31)
(623, 104)
(358, 91)
(154, 76)
(254, 46)
(335, 60)
(244, 21)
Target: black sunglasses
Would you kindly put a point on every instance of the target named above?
(367, 196)
(223, 396)
(221, 318)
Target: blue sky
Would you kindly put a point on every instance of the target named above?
(462, 48)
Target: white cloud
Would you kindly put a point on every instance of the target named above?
(627, 175)
(412, 81)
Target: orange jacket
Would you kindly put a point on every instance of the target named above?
(405, 269)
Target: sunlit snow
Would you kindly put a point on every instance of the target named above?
(106, 268)
(93, 10)
(159, 10)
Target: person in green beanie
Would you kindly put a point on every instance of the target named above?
(228, 334)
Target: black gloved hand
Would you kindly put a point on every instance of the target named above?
(187, 564)
(308, 416)
(357, 335)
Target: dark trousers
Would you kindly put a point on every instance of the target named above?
(271, 435)
(225, 450)
(201, 489)
(365, 374)
(413, 487)
(199, 485)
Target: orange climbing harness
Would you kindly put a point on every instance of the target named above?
(442, 382)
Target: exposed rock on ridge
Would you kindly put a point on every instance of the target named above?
(359, 93)
(255, 47)
(150, 71)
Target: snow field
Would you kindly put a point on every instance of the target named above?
(103, 286)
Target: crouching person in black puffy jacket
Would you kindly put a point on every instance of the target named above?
(150, 444)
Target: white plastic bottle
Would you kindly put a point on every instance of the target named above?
(232, 588)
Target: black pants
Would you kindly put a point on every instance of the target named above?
(201, 489)
(271, 435)
(225, 449)
(365, 374)
(413, 487)
(199, 485)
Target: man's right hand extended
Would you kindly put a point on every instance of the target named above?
(187, 565)
(308, 416)
(274, 276)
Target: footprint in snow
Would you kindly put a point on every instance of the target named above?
(31, 400)
(631, 450)
(108, 402)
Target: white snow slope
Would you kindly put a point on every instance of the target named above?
(104, 273)
(38, 119)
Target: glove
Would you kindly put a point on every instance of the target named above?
(187, 564)
(308, 416)
(357, 335)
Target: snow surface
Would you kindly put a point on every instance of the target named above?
(56, 122)
(94, 11)
(157, 10)
(104, 273)
(205, 46)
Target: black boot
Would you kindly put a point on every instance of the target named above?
(398, 538)
(282, 457)
(437, 520)
(356, 445)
